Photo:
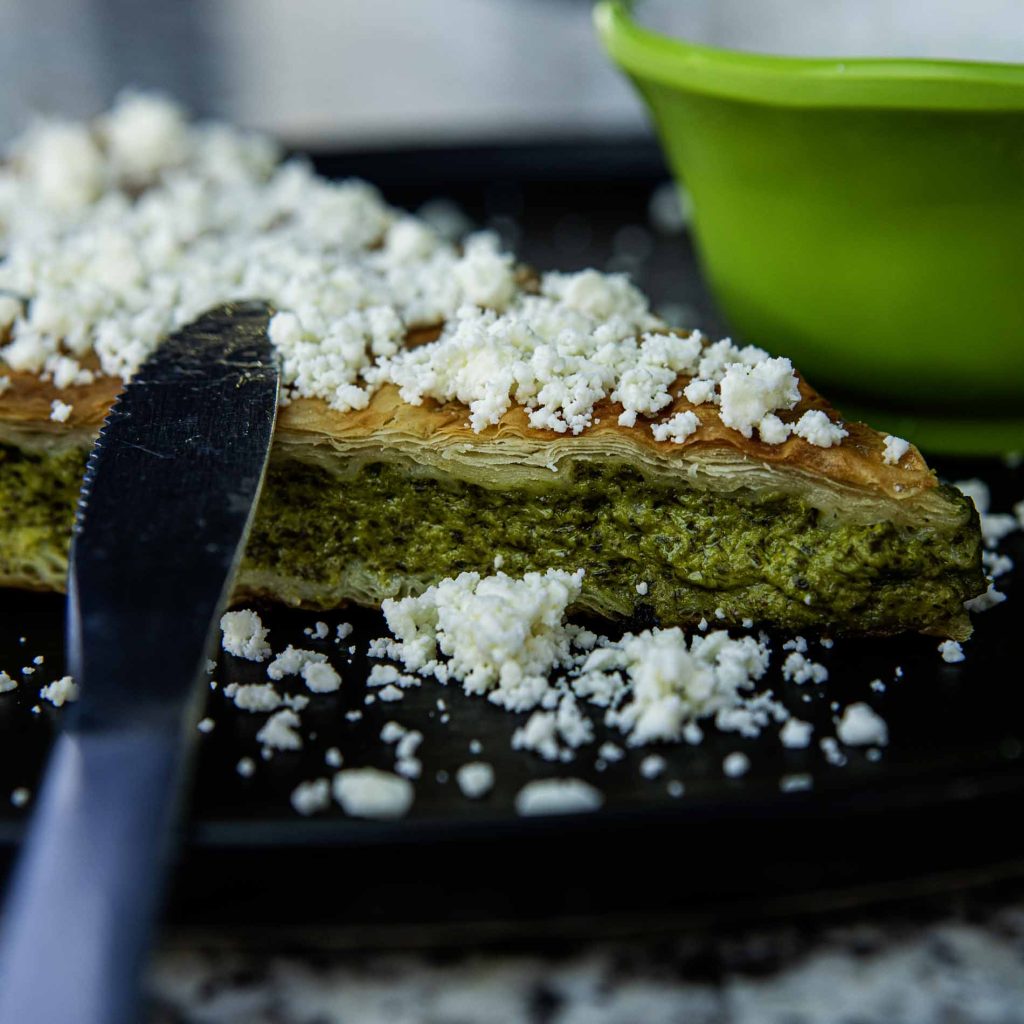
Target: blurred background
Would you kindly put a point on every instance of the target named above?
(362, 73)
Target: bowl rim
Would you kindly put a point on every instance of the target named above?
(888, 82)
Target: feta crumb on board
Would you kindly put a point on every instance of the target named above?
(244, 635)
(557, 796)
(736, 764)
(311, 797)
(280, 732)
(206, 725)
(246, 767)
(475, 779)
(320, 677)
(371, 793)
(951, 651)
(652, 766)
(862, 726)
(20, 796)
(7, 683)
(60, 692)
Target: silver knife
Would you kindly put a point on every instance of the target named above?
(166, 505)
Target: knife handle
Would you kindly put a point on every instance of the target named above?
(85, 890)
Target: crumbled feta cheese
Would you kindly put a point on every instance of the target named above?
(371, 793)
(318, 631)
(59, 411)
(610, 752)
(343, 631)
(20, 796)
(861, 726)
(652, 766)
(995, 564)
(557, 796)
(677, 428)
(292, 661)
(255, 697)
(773, 430)
(799, 669)
(983, 602)
(736, 764)
(817, 429)
(333, 757)
(7, 683)
(796, 734)
(206, 725)
(311, 797)
(895, 449)
(700, 391)
(389, 694)
(642, 588)
(675, 789)
(475, 779)
(246, 767)
(796, 783)
(748, 393)
(244, 635)
(280, 732)
(60, 692)
(501, 635)
(951, 651)
(320, 677)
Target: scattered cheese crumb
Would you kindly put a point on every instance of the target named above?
(796, 734)
(333, 757)
(7, 683)
(280, 731)
(951, 651)
(796, 783)
(20, 796)
(677, 428)
(557, 796)
(60, 411)
(61, 691)
(817, 429)
(736, 764)
(292, 661)
(895, 449)
(311, 797)
(641, 589)
(206, 725)
(652, 766)
(246, 767)
(475, 779)
(320, 677)
(983, 602)
(861, 726)
(371, 793)
(244, 635)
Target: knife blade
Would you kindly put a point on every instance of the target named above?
(165, 507)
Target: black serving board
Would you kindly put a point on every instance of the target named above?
(939, 808)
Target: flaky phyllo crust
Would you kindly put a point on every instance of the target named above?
(850, 482)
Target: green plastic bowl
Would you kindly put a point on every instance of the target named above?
(864, 216)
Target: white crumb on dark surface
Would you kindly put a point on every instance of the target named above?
(371, 793)
(244, 635)
(557, 796)
(475, 779)
(736, 764)
(311, 797)
(60, 692)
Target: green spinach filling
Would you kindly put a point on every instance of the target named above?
(388, 530)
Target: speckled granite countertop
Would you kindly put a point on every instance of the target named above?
(956, 960)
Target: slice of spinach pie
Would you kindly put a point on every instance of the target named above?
(446, 410)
